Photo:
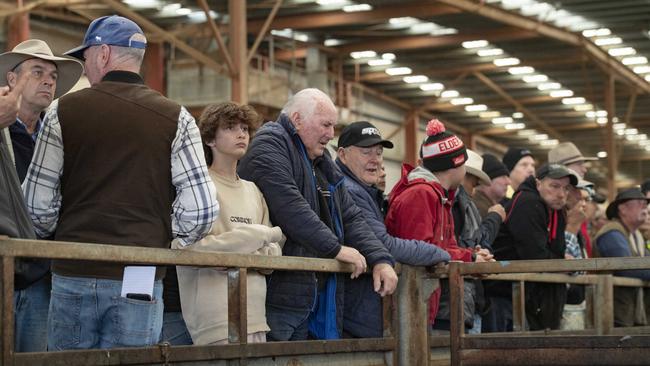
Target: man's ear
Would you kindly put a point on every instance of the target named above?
(12, 79)
(341, 154)
(297, 121)
(211, 143)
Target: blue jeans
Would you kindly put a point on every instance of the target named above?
(31, 306)
(90, 313)
(174, 329)
(287, 325)
(499, 316)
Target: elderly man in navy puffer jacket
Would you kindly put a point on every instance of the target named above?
(360, 151)
(289, 162)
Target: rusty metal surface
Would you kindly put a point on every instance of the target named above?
(412, 308)
(557, 356)
(456, 307)
(555, 341)
(7, 309)
(518, 306)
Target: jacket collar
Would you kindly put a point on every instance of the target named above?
(123, 77)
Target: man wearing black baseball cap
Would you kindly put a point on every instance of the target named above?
(533, 229)
(360, 150)
(621, 238)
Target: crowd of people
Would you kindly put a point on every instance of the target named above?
(118, 163)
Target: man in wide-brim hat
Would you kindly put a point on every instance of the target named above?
(621, 238)
(34, 76)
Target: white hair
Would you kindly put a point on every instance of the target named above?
(130, 55)
(305, 102)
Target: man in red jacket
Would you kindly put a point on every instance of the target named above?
(420, 203)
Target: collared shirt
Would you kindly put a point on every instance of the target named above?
(23, 144)
(39, 126)
(192, 215)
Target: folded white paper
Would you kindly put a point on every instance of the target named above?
(138, 280)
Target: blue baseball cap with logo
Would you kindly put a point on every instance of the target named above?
(111, 30)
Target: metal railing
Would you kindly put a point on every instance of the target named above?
(406, 338)
(603, 345)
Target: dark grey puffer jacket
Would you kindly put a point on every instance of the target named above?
(277, 163)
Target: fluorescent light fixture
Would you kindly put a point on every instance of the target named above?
(601, 120)
(608, 41)
(517, 115)
(641, 69)
(388, 56)
(647, 78)
(600, 32)
(636, 60)
(356, 7)
(647, 148)
(379, 62)
(394, 71)
(631, 131)
(184, 11)
(520, 70)
(363, 54)
(539, 78)
(432, 86)
(489, 114)
(415, 79)
(602, 154)
(538, 137)
(536, 9)
(402, 22)
(600, 113)
(461, 101)
(619, 126)
(331, 42)
(450, 94)
(487, 52)
(502, 120)
(583, 107)
(171, 7)
(475, 44)
(551, 142)
(515, 126)
(621, 51)
(331, 2)
(302, 37)
(549, 86)
(508, 61)
(574, 100)
(614, 119)
(476, 108)
(526, 133)
(563, 93)
(444, 31)
(144, 4)
(423, 27)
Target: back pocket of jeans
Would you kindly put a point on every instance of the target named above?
(64, 328)
(139, 322)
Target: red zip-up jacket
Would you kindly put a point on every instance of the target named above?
(420, 209)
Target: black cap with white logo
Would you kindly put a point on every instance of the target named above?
(362, 134)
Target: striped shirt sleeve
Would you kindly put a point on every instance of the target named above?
(42, 187)
(195, 207)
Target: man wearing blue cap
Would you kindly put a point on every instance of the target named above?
(116, 163)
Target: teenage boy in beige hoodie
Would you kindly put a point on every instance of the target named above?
(243, 226)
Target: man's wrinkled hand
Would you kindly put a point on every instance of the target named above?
(352, 256)
(10, 103)
(384, 279)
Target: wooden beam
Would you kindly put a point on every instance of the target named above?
(540, 123)
(217, 35)
(21, 9)
(428, 41)
(630, 107)
(610, 140)
(151, 27)
(339, 18)
(262, 32)
(238, 48)
(547, 30)
(432, 100)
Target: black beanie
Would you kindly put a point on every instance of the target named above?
(493, 167)
(513, 155)
(442, 150)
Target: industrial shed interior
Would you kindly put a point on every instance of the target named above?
(523, 73)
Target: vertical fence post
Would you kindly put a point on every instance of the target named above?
(519, 306)
(590, 314)
(604, 305)
(456, 307)
(413, 346)
(7, 310)
(237, 310)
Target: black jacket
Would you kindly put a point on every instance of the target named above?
(532, 231)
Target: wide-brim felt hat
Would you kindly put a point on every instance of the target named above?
(624, 196)
(69, 69)
(474, 166)
(567, 153)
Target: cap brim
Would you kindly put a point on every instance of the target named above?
(77, 52)
(480, 174)
(579, 159)
(573, 179)
(612, 209)
(374, 141)
(69, 70)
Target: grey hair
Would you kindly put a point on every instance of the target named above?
(130, 55)
(305, 102)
